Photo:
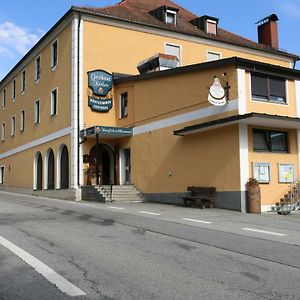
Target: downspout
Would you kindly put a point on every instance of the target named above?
(78, 100)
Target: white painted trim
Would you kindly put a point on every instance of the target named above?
(182, 36)
(23, 82)
(74, 104)
(51, 102)
(297, 97)
(241, 76)
(45, 169)
(244, 163)
(35, 68)
(186, 117)
(53, 68)
(38, 142)
(81, 100)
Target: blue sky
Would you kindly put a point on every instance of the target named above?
(22, 23)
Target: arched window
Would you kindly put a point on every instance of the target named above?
(38, 172)
(50, 170)
(64, 168)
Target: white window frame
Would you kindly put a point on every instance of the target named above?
(3, 132)
(4, 96)
(22, 120)
(208, 52)
(37, 71)
(171, 12)
(52, 112)
(23, 81)
(53, 67)
(37, 113)
(177, 46)
(13, 126)
(13, 89)
(121, 106)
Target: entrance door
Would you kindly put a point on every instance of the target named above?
(101, 160)
(127, 166)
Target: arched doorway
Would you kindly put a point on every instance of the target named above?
(64, 168)
(50, 173)
(38, 170)
(101, 157)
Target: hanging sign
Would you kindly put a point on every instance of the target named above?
(100, 82)
(216, 94)
(100, 105)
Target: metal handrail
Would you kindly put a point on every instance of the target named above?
(107, 188)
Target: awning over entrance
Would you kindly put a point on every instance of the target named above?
(256, 119)
(106, 131)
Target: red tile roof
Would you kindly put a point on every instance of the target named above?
(137, 11)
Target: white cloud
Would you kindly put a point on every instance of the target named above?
(14, 38)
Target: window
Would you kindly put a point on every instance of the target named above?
(211, 27)
(3, 98)
(13, 126)
(270, 141)
(37, 112)
(23, 81)
(54, 58)
(269, 89)
(22, 120)
(124, 105)
(211, 56)
(37, 68)
(13, 90)
(3, 132)
(54, 102)
(173, 50)
(1, 175)
(171, 17)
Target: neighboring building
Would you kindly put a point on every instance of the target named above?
(65, 118)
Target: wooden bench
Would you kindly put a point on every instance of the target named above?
(204, 195)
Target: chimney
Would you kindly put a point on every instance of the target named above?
(267, 31)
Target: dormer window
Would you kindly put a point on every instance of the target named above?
(207, 24)
(171, 17)
(166, 14)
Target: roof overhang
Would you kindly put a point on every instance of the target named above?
(255, 119)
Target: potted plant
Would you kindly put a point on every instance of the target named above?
(254, 196)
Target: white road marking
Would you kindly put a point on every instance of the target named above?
(264, 231)
(60, 282)
(149, 213)
(115, 207)
(197, 221)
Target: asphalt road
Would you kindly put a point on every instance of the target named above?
(52, 249)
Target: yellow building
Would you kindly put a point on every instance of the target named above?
(72, 116)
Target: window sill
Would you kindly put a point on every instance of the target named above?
(53, 68)
(269, 101)
(36, 81)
